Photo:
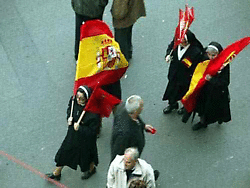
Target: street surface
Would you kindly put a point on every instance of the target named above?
(36, 81)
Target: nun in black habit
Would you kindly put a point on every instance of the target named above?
(79, 146)
(213, 103)
(183, 60)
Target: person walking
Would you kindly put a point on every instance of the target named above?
(79, 146)
(124, 15)
(125, 167)
(183, 61)
(86, 10)
(128, 127)
(213, 102)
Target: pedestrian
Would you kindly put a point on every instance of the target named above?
(213, 100)
(128, 166)
(86, 10)
(79, 146)
(128, 127)
(125, 13)
(183, 60)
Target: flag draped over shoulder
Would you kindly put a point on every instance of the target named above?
(100, 62)
(211, 67)
(185, 20)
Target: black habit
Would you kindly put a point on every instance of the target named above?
(79, 147)
(213, 101)
(180, 73)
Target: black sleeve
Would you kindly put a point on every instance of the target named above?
(222, 79)
(170, 47)
(69, 107)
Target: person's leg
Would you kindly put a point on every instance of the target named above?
(130, 45)
(201, 124)
(121, 36)
(56, 174)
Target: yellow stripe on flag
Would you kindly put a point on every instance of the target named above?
(93, 56)
(198, 74)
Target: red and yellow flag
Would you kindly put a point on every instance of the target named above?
(211, 67)
(100, 61)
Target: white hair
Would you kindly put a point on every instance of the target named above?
(133, 152)
(133, 103)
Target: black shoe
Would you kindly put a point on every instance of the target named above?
(186, 116)
(157, 174)
(198, 126)
(88, 174)
(52, 176)
(181, 111)
(170, 108)
(220, 122)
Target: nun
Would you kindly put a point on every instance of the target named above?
(79, 146)
(213, 102)
(183, 60)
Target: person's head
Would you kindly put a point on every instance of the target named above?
(82, 94)
(213, 49)
(134, 104)
(131, 156)
(137, 183)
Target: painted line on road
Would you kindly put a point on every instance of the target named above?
(30, 168)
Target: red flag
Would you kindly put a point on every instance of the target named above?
(185, 20)
(212, 68)
(101, 102)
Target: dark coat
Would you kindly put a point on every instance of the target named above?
(79, 147)
(179, 74)
(90, 8)
(213, 100)
(126, 133)
(125, 12)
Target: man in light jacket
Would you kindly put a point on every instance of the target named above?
(124, 168)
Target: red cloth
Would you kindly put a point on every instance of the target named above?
(101, 102)
(185, 20)
(213, 68)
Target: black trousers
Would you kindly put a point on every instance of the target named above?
(79, 19)
(124, 37)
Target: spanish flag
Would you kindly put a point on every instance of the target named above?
(100, 61)
(211, 67)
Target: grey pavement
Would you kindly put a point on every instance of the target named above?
(36, 81)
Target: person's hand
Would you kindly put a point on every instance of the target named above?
(70, 119)
(150, 128)
(168, 58)
(76, 126)
(208, 77)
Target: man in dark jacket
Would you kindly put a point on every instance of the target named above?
(128, 128)
(86, 10)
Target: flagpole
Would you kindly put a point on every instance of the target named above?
(77, 124)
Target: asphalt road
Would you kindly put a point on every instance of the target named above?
(36, 81)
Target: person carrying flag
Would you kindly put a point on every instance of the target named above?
(79, 146)
(213, 100)
(183, 60)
